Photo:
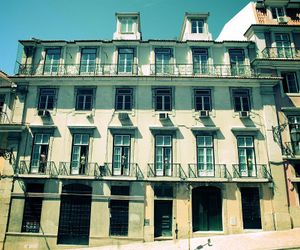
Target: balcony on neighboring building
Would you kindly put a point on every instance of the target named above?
(36, 168)
(160, 171)
(208, 172)
(280, 53)
(251, 173)
(4, 119)
(127, 170)
(291, 150)
(192, 70)
(77, 169)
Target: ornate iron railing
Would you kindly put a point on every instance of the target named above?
(258, 171)
(128, 170)
(73, 168)
(38, 168)
(208, 171)
(4, 119)
(281, 53)
(168, 170)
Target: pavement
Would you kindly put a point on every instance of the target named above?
(288, 239)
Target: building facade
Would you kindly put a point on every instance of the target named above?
(134, 140)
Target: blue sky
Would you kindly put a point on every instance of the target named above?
(95, 19)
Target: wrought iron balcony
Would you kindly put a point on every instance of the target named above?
(37, 168)
(281, 53)
(255, 171)
(4, 119)
(198, 70)
(291, 150)
(166, 170)
(75, 168)
(77, 69)
(126, 170)
(208, 171)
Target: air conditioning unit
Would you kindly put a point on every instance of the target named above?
(282, 20)
(44, 113)
(163, 116)
(123, 116)
(244, 114)
(204, 113)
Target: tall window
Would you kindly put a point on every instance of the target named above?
(205, 156)
(79, 158)
(52, 61)
(121, 155)
(247, 163)
(197, 25)
(125, 62)
(163, 99)
(277, 12)
(163, 61)
(294, 126)
(32, 208)
(283, 45)
(123, 99)
(47, 99)
(2, 114)
(202, 99)
(127, 25)
(237, 61)
(88, 60)
(200, 57)
(84, 99)
(163, 155)
(241, 100)
(39, 154)
(119, 212)
(289, 82)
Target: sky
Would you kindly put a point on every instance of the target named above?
(95, 19)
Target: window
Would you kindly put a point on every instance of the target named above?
(125, 61)
(294, 126)
(197, 25)
(2, 101)
(39, 154)
(163, 155)
(32, 208)
(127, 25)
(200, 57)
(84, 99)
(246, 154)
(241, 100)
(283, 45)
(163, 99)
(124, 99)
(47, 99)
(205, 156)
(79, 158)
(202, 99)
(289, 82)
(121, 155)
(277, 12)
(52, 61)
(163, 61)
(119, 212)
(237, 60)
(88, 60)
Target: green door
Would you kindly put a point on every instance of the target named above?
(251, 208)
(162, 218)
(207, 209)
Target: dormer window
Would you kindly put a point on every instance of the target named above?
(277, 12)
(126, 25)
(197, 26)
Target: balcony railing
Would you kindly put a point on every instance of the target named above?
(291, 149)
(73, 168)
(208, 171)
(281, 53)
(217, 70)
(256, 171)
(128, 170)
(166, 170)
(4, 119)
(37, 168)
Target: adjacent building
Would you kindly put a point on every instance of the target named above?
(133, 140)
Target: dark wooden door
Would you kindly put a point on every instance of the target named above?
(251, 208)
(162, 218)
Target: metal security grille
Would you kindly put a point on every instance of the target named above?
(119, 217)
(74, 221)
